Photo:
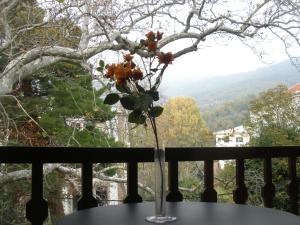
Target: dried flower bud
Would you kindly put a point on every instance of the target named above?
(159, 35)
(150, 35)
(165, 58)
(128, 57)
(152, 46)
(137, 74)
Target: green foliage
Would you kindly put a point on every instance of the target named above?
(128, 102)
(156, 111)
(274, 118)
(111, 99)
(180, 124)
(140, 103)
(273, 121)
(190, 176)
(13, 196)
(136, 117)
(53, 100)
(226, 115)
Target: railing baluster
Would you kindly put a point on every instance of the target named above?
(87, 199)
(240, 194)
(174, 194)
(293, 186)
(37, 207)
(209, 194)
(268, 190)
(132, 184)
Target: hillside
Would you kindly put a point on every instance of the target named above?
(224, 100)
(216, 90)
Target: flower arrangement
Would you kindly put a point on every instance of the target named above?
(137, 91)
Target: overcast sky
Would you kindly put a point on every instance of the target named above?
(216, 60)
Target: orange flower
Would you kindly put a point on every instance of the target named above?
(150, 35)
(159, 35)
(137, 74)
(122, 72)
(128, 57)
(121, 81)
(127, 71)
(165, 58)
(110, 71)
(152, 46)
(119, 71)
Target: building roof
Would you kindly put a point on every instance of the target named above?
(236, 130)
(295, 89)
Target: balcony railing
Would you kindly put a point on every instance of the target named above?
(37, 208)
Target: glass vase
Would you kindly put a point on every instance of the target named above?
(160, 190)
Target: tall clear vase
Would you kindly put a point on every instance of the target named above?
(160, 190)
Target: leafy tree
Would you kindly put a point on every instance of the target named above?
(273, 121)
(226, 115)
(43, 109)
(51, 101)
(180, 125)
(274, 118)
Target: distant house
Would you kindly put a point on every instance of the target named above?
(295, 90)
(234, 137)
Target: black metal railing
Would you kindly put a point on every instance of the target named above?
(37, 208)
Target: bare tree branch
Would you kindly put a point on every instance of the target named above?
(118, 25)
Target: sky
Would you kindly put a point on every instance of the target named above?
(221, 60)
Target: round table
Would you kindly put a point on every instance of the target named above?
(187, 213)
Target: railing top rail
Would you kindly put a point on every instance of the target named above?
(114, 155)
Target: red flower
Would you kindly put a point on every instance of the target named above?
(110, 71)
(137, 74)
(159, 36)
(165, 58)
(150, 35)
(128, 57)
(152, 46)
(121, 81)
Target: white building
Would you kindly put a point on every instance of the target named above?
(235, 137)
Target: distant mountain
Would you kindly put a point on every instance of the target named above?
(215, 90)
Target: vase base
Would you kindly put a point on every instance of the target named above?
(160, 219)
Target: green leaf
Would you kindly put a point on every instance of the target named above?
(101, 63)
(143, 102)
(111, 99)
(142, 42)
(122, 88)
(100, 69)
(44, 134)
(136, 117)
(156, 111)
(154, 94)
(60, 1)
(139, 87)
(128, 102)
